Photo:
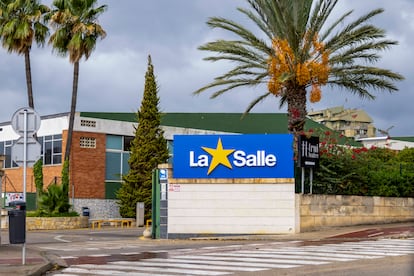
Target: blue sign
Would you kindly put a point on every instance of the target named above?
(163, 174)
(233, 156)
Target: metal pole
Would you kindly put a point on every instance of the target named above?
(24, 253)
(24, 153)
(311, 179)
(24, 176)
(303, 180)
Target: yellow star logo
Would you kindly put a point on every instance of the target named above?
(219, 156)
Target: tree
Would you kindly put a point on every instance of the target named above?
(76, 33)
(38, 178)
(21, 22)
(148, 149)
(300, 53)
(65, 181)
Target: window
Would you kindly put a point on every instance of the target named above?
(88, 142)
(5, 149)
(51, 149)
(170, 145)
(113, 164)
(117, 156)
(114, 142)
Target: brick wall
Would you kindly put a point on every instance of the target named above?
(13, 180)
(88, 166)
(318, 211)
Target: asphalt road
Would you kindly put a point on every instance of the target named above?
(106, 250)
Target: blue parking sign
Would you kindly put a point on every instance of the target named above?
(163, 174)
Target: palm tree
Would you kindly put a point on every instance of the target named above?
(21, 22)
(300, 53)
(76, 33)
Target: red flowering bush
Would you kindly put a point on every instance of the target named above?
(349, 169)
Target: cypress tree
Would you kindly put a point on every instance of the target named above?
(148, 149)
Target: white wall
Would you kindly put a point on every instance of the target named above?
(385, 142)
(231, 208)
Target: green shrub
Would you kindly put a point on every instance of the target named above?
(350, 170)
(38, 213)
(53, 201)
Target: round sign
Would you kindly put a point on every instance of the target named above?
(25, 119)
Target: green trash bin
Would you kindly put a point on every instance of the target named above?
(17, 222)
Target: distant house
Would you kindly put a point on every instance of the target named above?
(353, 123)
(394, 143)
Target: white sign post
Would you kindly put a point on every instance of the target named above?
(26, 150)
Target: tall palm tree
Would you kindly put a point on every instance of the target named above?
(300, 53)
(21, 22)
(76, 33)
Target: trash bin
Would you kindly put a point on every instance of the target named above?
(85, 211)
(17, 222)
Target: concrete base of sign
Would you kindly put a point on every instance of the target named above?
(214, 207)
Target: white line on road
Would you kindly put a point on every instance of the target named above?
(59, 238)
(322, 253)
(375, 234)
(198, 266)
(252, 259)
(286, 255)
(98, 255)
(98, 271)
(238, 264)
(130, 253)
(133, 266)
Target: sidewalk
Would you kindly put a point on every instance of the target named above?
(11, 261)
(38, 262)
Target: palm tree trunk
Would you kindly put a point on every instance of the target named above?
(72, 109)
(296, 100)
(28, 78)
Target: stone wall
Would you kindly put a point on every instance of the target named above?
(36, 223)
(43, 223)
(317, 211)
(98, 208)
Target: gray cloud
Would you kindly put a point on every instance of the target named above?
(113, 78)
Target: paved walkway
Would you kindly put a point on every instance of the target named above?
(38, 262)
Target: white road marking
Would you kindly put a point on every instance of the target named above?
(195, 262)
(130, 253)
(226, 263)
(192, 266)
(375, 234)
(127, 266)
(249, 258)
(59, 238)
(98, 271)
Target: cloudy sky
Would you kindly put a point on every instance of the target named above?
(170, 31)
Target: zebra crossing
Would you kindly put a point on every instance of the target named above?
(216, 261)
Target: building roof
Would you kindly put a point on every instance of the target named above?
(226, 122)
(406, 138)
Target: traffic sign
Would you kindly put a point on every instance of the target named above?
(32, 121)
(163, 174)
(33, 151)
